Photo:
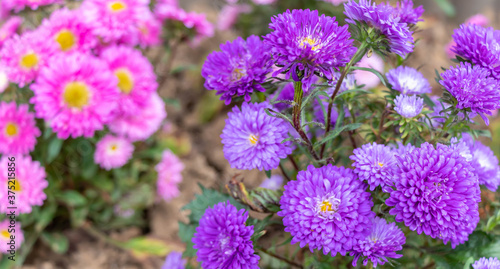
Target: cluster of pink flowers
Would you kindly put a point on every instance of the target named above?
(86, 75)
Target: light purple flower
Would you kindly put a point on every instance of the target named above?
(326, 208)
(408, 80)
(486, 263)
(374, 163)
(113, 152)
(408, 106)
(253, 140)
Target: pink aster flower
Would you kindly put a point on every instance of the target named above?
(149, 29)
(9, 28)
(18, 131)
(76, 94)
(200, 28)
(23, 56)
(28, 186)
(18, 5)
(142, 125)
(478, 19)
(169, 175)
(113, 152)
(367, 78)
(229, 14)
(11, 235)
(113, 20)
(335, 2)
(135, 76)
(68, 31)
(263, 2)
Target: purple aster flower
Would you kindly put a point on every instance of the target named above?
(374, 163)
(403, 149)
(238, 69)
(462, 147)
(472, 88)
(408, 106)
(479, 45)
(408, 80)
(486, 263)
(253, 139)
(174, 260)
(275, 182)
(327, 208)
(484, 162)
(382, 18)
(223, 240)
(436, 193)
(382, 243)
(404, 10)
(304, 41)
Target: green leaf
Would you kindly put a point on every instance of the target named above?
(143, 247)
(78, 216)
(46, 216)
(268, 173)
(53, 149)
(447, 7)
(201, 202)
(186, 233)
(336, 132)
(56, 241)
(71, 198)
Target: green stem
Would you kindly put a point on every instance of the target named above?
(297, 108)
(292, 263)
(357, 56)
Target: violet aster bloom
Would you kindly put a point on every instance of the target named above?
(223, 240)
(404, 10)
(374, 163)
(113, 152)
(402, 149)
(486, 263)
(326, 208)
(472, 88)
(382, 243)
(408, 80)
(408, 106)
(18, 131)
(253, 139)
(437, 193)
(462, 147)
(381, 17)
(174, 260)
(479, 45)
(303, 41)
(484, 162)
(238, 69)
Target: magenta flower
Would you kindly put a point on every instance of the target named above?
(169, 175)
(5, 236)
(113, 152)
(18, 131)
(9, 28)
(30, 181)
(76, 94)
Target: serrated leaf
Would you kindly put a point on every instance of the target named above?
(336, 132)
(202, 201)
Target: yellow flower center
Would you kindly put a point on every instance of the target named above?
(17, 185)
(117, 6)
(76, 95)
(114, 147)
(326, 206)
(381, 164)
(125, 80)
(253, 139)
(238, 73)
(5, 233)
(309, 41)
(11, 129)
(29, 60)
(66, 40)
